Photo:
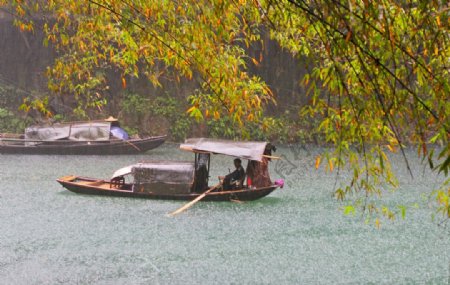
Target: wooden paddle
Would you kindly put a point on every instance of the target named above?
(191, 203)
(133, 145)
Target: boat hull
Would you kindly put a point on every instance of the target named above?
(113, 147)
(91, 186)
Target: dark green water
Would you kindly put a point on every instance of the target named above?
(294, 236)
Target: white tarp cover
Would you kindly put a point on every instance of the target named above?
(243, 149)
(44, 133)
(159, 171)
(98, 131)
(92, 131)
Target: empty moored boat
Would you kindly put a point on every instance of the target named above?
(80, 138)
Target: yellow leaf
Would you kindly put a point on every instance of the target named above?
(148, 13)
(391, 149)
(438, 21)
(124, 83)
(348, 37)
(377, 223)
(318, 162)
(191, 109)
(409, 50)
(330, 164)
(255, 62)
(391, 36)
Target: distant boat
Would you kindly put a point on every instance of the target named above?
(79, 138)
(172, 180)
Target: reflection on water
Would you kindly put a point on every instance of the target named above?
(294, 236)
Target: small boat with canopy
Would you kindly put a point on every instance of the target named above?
(180, 180)
(78, 138)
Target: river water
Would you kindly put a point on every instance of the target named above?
(297, 235)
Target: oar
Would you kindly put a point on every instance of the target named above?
(133, 145)
(190, 204)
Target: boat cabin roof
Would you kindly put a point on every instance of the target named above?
(250, 150)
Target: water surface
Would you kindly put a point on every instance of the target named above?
(296, 235)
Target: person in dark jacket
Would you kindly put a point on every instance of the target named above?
(235, 179)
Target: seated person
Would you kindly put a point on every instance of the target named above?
(258, 171)
(116, 131)
(236, 178)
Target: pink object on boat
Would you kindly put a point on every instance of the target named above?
(279, 182)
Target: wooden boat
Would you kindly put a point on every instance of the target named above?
(172, 180)
(84, 138)
(92, 186)
(110, 147)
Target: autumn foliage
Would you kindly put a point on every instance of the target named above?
(379, 76)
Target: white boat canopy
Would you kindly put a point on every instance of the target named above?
(123, 171)
(242, 149)
(159, 171)
(87, 131)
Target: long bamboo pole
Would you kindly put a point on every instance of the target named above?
(191, 203)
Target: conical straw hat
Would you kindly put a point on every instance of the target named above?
(111, 119)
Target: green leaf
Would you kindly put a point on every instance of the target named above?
(349, 210)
